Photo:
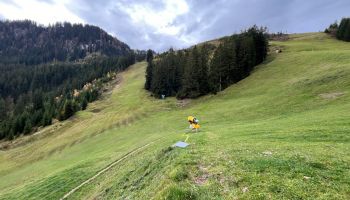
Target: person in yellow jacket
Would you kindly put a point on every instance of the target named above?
(194, 123)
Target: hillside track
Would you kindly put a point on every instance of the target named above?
(119, 160)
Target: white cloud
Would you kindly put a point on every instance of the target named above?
(160, 20)
(40, 11)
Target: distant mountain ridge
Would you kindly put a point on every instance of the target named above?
(29, 43)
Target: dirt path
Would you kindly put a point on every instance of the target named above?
(108, 167)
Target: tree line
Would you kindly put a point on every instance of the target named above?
(206, 68)
(341, 31)
(31, 96)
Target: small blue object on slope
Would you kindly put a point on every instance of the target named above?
(181, 144)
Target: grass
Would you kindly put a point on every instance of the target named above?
(282, 133)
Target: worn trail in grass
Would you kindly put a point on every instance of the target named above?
(282, 133)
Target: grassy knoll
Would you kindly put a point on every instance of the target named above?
(282, 133)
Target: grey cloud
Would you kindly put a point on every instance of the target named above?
(209, 19)
(113, 19)
(227, 17)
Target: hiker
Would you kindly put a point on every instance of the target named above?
(193, 123)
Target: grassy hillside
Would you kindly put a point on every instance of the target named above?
(282, 133)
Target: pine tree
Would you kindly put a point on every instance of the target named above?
(47, 118)
(27, 126)
(84, 103)
(11, 135)
(260, 43)
(344, 23)
(38, 100)
(67, 110)
(179, 71)
(247, 56)
(171, 73)
(17, 126)
(346, 36)
(149, 55)
(2, 109)
(2, 133)
(20, 105)
(159, 86)
(37, 117)
(229, 70)
(217, 70)
(149, 70)
(332, 29)
(190, 83)
(203, 70)
(9, 106)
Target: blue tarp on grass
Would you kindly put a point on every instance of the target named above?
(181, 144)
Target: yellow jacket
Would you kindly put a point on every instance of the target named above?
(190, 119)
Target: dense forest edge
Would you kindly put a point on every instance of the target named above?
(206, 68)
(340, 30)
(49, 73)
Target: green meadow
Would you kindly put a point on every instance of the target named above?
(281, 133)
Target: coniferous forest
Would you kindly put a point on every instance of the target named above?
(51, 72)
(206, 68)
(341, 31)
(29, 43)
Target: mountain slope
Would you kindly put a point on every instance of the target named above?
(41, 67)
(29, 43)
(281, 133)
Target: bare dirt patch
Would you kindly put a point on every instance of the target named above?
(96, 110)
(203, 177)
(267, 153)
(201, 180)
(332, 95)
(183, 103)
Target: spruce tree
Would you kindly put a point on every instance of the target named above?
(203, 70)
(38, 100)
(68, 109)
(214, 71)
(171, 73)
(346, 36)
(2, 109)
(180, 64)
(149, 70)
(27, 126)
(47, 118)
(84, 103)
(229, 68)
(190, 83)
(342, 28)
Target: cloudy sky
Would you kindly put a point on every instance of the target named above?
(160, 24)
